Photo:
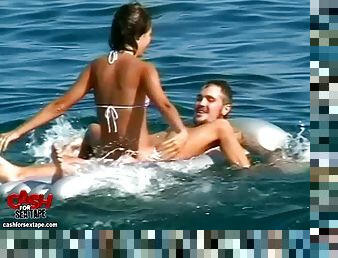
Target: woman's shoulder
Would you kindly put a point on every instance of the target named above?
(100, 59)
(93, 64)
(148, 67)
(137, 63)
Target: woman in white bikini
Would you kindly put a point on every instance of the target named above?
(121, 83)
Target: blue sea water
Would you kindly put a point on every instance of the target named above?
(260, 47)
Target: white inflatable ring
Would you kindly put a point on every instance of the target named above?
(261, 137)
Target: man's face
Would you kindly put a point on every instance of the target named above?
(209, 105)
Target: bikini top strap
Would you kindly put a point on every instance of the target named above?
(112, 57)
(147, 102)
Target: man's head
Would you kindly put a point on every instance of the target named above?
(213, 102)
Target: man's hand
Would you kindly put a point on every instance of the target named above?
(171, 147)
(6, 138)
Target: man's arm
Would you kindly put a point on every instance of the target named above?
(239, 136)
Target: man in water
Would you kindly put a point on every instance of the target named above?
(211, 129)
(212, 107)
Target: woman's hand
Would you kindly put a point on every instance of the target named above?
(52, 110)
(171, 147)
(6, 138)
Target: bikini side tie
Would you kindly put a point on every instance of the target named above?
(111, 114)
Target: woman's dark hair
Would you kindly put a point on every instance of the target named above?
(130, 22)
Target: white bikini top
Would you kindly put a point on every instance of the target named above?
(111, 113)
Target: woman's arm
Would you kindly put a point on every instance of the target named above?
(52, 110)
(154, 91)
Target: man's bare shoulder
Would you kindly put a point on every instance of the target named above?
(190, 125)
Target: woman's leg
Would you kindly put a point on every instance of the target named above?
(11, 172)
(63, 165)
(90, 141)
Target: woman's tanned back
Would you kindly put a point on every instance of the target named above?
(120, 84)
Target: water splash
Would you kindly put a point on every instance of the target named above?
(62, 133)
(297, 147)
(118, 177)
(122, 177)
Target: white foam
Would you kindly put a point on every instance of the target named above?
(124, 177)
(61, 133)
(143, 180)
(297, 148)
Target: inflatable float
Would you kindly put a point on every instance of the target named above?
(260, 137)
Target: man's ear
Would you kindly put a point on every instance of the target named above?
(226, 109)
